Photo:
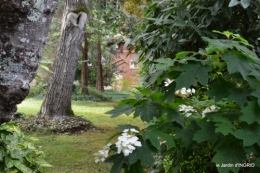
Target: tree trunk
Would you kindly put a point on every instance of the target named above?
(24, 27)
(57, 100)
(84, 67)
(99, 82)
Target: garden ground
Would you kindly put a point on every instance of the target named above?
(75, 153)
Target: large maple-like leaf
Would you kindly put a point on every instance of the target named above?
(249, 134)
(237, 62)
(207, 132)
(186, 135)
(147, 111)
(136, 168)
(174, 115)
(220, 89)
(215, 45)
(239, 96)
(229, 154)
(118, 160)
(251, 112)
(192, 72)
(223, 124)
(119, 110)
(143, 153)
(154, 135)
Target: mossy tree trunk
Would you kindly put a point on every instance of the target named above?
(84, 67)
(57, 100)
(24, 26)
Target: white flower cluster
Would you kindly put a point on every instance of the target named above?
(185, 92)
(167, 82)
(187, 110)
(127, 142)
(101, 155)
(212, 108)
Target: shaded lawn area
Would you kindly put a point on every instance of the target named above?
(74, 153)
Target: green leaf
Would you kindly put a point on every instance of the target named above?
(207, 132)
(220, 90)
(164, 63)
(193, 25)
(238, 95)
(250, 134)
(119, 110)
(217, 5)
(186, 135)
(43, 163)
(229, 154)
(256, 93)
(153, 135)
(245, 3)
(183, 54)
(153, 77)
(237, 62)
(143, 153)
(251, 113)
(117, 160)
(18, 164)
(135, 168)
(192, 72)
(249, 53)
(215, 45)
(147, 111)
(174, 115)
(170, 93)
(223, 124)
(233, 3)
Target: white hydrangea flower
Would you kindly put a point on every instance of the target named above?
(184, 92)
(167, 82)
(187, 110)
(101, 155)
(212, 108)
(134, 130)
(128, 142)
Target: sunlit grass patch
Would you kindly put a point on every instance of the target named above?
(75, 153)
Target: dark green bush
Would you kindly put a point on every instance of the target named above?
(17, 154)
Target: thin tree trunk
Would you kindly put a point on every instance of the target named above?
(24, 27)
(57, 100)
(84, 67)
(99, 81)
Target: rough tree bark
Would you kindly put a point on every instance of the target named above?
(24, 26)
(99, 81)
(57, 100)
(84, 67)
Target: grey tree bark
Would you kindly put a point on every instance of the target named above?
(57, 100)
(24, 26)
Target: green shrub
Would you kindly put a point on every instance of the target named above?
(37, 91)
(93, 95)
(17, 154)
(205, 119)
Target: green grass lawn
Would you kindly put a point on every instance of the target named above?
(74, 153)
